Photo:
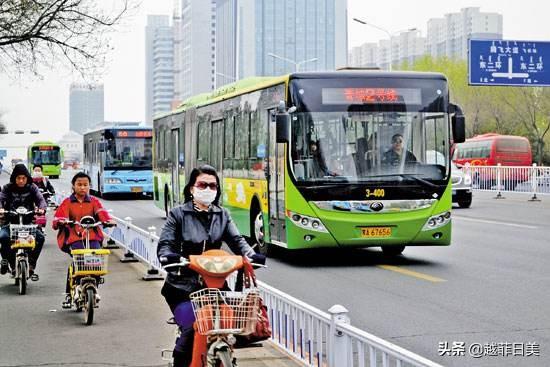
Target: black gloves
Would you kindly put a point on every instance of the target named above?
(170, 259)
(258, 259)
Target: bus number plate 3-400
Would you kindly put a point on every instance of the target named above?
(375, 232)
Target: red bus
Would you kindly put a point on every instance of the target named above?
(492, 149)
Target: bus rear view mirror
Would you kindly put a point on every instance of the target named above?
(282, 121)
(458, 122)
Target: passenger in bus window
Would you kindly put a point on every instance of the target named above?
(395, 154)
(319, 167)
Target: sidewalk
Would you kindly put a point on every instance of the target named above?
(267, 355)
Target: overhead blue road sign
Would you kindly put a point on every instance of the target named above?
(507, 62)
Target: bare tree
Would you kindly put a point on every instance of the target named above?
(53, 33)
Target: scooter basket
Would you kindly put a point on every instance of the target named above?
(23, 236)
(90, 262)
(223, 312)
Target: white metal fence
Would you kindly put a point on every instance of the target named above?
(522, 179)
(314, 337)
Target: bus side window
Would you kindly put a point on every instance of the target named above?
(229, 147)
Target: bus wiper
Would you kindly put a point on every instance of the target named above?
(411, 176)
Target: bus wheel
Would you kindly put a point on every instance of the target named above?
(393, 250)
(166, 200)
(257, 231)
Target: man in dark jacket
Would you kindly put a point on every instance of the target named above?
(20, 191)
(395, 155)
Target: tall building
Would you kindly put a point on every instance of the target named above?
(85, 106)
(449, 36)
(72, 146)
(159, 66)
(194, 23)
(404, 47)
(302, 35)
(446, 36)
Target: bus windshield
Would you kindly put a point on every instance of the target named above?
(129, 153)
(46, 155)
(367, 146)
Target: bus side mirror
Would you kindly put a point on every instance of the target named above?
(282, 121)
(458, 122)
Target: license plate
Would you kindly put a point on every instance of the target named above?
(91, 260)
(136, 189)
(370, 232)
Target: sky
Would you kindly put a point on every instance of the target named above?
(44, 104)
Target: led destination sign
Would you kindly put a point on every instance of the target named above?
(338, 96)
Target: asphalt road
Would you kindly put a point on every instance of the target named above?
(489, 289)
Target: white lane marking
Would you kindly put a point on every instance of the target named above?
(494, 222)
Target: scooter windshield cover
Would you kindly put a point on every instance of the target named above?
(217, 265)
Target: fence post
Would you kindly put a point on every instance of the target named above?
(128, 256)
(534, 182)
(152, 272)
(339, 345)
(499, 194)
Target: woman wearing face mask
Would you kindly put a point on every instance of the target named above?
(198, 225)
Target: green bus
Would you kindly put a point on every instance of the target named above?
(322, 159)
(49, 155)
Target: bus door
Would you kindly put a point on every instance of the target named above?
(276, 183)
(174, 166)
(216, 147)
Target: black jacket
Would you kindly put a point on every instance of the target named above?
(183, 234)
(29, 196)
(391, 157)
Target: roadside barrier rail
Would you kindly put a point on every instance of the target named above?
(313, 337)
(534, 180)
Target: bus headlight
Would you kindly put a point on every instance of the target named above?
(112, 180)
(306, 222)
(467, 179)
(437, 221)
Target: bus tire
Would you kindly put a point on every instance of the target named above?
(166, 200)
(98, 191)
(393, 250)
(257, 230)
(465, 201)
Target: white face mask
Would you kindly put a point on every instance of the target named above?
(205, 197)
(37, 174)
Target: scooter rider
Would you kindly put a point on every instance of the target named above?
(42, 182)
(73, 208)
(20, 191)
(198, 225)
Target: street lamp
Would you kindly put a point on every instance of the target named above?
(296, 64)
(390, 35)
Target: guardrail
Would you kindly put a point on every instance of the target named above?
(314, 337)
(521, 179)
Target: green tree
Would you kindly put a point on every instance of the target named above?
(531, 106)
(505, 110)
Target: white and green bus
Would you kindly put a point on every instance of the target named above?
(307, 160)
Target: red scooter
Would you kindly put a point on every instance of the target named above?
(220, 314)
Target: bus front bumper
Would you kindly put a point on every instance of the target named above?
(369, 230)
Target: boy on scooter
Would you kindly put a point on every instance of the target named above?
(73, 208)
